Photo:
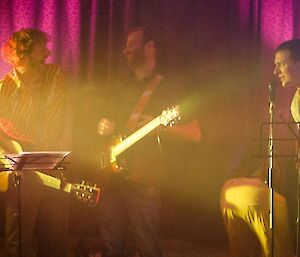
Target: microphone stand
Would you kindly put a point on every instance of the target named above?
(298, 196)
(297, 136)
(271, 169)
(17, 179)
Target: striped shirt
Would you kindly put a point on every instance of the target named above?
(33, 112)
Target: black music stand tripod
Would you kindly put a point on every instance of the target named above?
(271, 167)
(30, 161)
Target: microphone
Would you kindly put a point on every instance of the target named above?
(272, 89)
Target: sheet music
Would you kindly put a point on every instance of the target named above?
(45, 160)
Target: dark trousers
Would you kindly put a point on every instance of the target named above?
(43, 216)
(129, 207)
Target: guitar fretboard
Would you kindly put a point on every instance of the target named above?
(136, 136)
(52, 182)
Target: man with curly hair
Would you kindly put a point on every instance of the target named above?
(32, 114)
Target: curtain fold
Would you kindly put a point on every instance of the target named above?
(87, 35)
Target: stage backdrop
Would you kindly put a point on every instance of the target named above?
(224, 48)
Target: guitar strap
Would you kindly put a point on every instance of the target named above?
(142, 101)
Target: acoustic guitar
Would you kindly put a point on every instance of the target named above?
(82, 191)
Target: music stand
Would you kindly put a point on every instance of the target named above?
(31, 161)
(284, 149)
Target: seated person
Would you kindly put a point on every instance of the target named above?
(245, 210)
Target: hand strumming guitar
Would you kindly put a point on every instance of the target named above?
(105, 127)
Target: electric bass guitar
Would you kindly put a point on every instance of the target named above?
(108, 158)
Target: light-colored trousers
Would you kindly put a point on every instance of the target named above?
(245, 209)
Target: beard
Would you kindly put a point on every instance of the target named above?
(36, 63)
(136, 59)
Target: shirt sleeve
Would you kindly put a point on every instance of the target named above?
(8, 129)
(55, 108)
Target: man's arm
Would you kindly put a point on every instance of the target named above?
(6, 146)
(10, 146)
(8, 128)
(188, 131)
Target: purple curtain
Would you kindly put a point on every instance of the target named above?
(88, 36)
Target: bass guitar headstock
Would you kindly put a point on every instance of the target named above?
(170, 115)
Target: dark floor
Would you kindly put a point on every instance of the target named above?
(190, 234)
(170, 247)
